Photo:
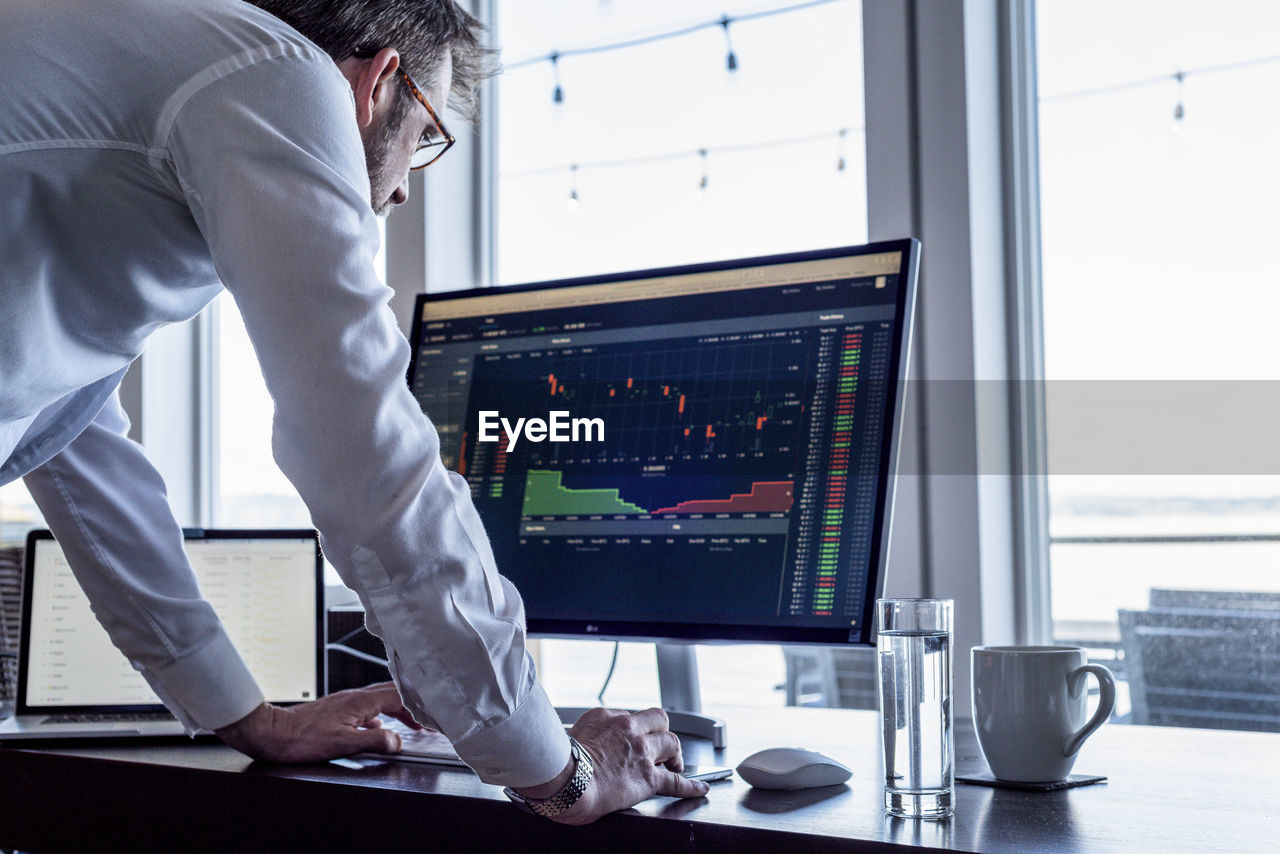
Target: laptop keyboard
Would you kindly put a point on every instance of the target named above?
(107, 717)
(424, 742)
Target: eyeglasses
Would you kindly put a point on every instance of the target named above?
(430, 148)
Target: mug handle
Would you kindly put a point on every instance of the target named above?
(1106, 702)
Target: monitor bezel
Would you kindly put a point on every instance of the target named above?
(716, 633)
(29, 563)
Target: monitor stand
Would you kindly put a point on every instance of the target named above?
(681, 697)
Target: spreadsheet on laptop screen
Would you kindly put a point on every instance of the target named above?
(264, 591)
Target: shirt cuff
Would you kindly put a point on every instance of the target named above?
(207, 689)
(527, 749)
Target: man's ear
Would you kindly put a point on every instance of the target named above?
(372, 81)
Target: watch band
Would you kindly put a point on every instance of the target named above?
(569, 794)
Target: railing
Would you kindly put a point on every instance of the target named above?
(1163, 539)
(1102, 637)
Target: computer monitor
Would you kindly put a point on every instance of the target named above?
(697, 453)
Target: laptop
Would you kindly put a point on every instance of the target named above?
(265, 585)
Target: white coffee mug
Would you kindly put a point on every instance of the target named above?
(1029, 708)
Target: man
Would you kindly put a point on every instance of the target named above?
(152, 152)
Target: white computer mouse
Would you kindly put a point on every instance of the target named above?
(791, 768)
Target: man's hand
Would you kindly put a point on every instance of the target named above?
(636, 757)
(337, 725)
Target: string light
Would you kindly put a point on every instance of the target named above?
(731, 61)
(723, 22)
(572, 203)
(842, 170)
(1179, 111)
(702, 153)
(557, 94)
(842, 173)
(1177, 77)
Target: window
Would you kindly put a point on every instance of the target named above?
(657, 154)
(1157, 180)
(250, 491)
(18, 514)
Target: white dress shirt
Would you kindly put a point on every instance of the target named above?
(152, 152)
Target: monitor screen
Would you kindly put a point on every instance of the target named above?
(264, 587)
(701, 452)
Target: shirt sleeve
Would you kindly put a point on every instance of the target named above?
(106, 505)
(270, 159)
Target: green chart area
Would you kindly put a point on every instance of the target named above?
(544, 496)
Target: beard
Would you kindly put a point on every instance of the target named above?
(378, 143)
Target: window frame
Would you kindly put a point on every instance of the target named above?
(940, 116)
(177, 430)
(1021, 146)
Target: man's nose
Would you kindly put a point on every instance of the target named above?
(401, 195)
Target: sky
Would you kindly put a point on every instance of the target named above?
(799, 75)
(1156, 233)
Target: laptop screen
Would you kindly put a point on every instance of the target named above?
(264, 586)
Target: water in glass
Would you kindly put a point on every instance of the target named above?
(915, 697)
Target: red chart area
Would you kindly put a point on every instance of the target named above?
(765, 497)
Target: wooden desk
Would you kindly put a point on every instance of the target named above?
(1169, 790)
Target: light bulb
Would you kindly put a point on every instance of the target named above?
(1179, 110)
(731, 60)
(557, 94)
(701, 192)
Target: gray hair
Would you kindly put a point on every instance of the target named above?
(420, 30)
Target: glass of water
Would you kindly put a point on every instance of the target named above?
(914, 647)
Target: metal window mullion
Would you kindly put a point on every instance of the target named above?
(486, 171)
(160, 394)
(208, 432)
(1020, 136)
(893, 210)
(952, 195)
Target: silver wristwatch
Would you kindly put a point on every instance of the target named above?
(567, 796)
